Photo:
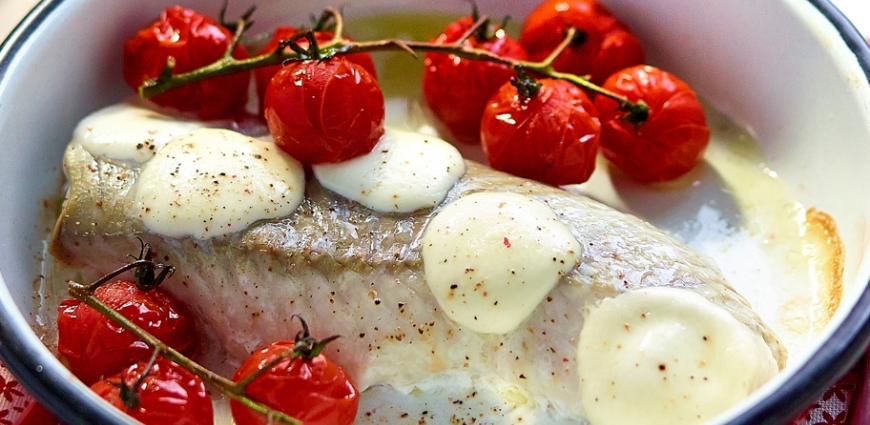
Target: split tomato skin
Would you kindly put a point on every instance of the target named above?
(316, 391)
(169, 394)
(457, 90)
(194, 41)
(672, 140)
(552, 137)
(264, 74)
(93, 346)
(325, 111)
(607, 44)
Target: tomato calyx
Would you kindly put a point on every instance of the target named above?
(145, 272)
(306, 346)
(129, 394)
(146, 275)
(527, 85)
(325, 23)
(244, 22)
(484, 29)
(580, 37)
(635, 113)
(310, 53)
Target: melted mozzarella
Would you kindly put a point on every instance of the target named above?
(129, 133)
(212, 182)
(490, 258)
(666, 356)
(404, 172)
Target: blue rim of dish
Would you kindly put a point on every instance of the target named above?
(26, 357)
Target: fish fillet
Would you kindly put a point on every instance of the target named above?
(359, 274)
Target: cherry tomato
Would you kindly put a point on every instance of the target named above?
(94, 346)
(325, 111)
(551, 137)
(673, 138)
(264, 75)
(456, 89)
(169, 394)
(604, 46)
(194, 41)
(316, 391)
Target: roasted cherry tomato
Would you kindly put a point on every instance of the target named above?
(456, 89)
(194, 41)
(673, 138)
(322, 111)
(265, 74)
(551, 136)
(94, 346)
(603, 46)
(316, 391)
(169, 394)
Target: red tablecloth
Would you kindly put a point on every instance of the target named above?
(17, 407)
(846, 402)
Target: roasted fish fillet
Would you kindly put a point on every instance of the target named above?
(358, 273)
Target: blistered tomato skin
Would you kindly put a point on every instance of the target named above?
(552, 137)
(93, 346)
(194, 41)
(324, 111)
(605, 45)
(456, 90)
(672, 140)
(316, 391)
(264, 74)
(169, 394)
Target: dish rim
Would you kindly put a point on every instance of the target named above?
(43, 376)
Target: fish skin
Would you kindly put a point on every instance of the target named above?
(359, 274)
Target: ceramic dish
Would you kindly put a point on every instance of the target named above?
(792, 73)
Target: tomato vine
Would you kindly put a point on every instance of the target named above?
(236, 391)
(339, 45)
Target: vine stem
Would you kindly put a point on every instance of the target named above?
(237, 37)
(236, 391)
(340, 46)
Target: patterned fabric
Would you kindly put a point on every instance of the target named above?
(834, 405)
(13, 400)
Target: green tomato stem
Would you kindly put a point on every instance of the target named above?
(241, 26)
(339, 22)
